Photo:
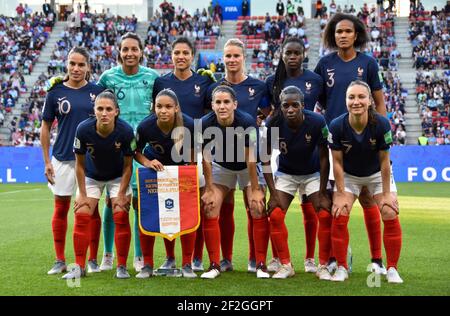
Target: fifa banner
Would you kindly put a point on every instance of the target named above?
(409, 163)
(421, 163)
(168, 201)
(231, 9)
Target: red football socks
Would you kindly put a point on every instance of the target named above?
(279, 235)
(372, 218)
(392, 241)
(59, 227)
(251, 241)
(340, 239)
(261, 232)
(122, 236)
(95, 226)
(211, 232)
(170, 248)
(325, 222)
(199, 239)
(187, 247)
(310, 224)
(81, 237)
(226, 222)
(147, 245)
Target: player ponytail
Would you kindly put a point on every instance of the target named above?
(371, 110)
(281, 72)
(178, 126)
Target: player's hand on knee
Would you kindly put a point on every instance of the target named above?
(121, 203)
(339, 208)
(209, 200)
(257, 201)
(388, 204)
(81, 202)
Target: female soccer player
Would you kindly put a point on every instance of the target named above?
(133, 86)
(251, 94)
(290, 72)
(191, 90)
(303, 154)
(161, 131)
(360, 141)
(230, 127)
(70, 102)
(346, 34)
(104, 147)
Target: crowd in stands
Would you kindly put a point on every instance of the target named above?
(395, 99)
(429, 36)
(433, 97)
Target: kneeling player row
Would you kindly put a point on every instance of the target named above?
(359, 141)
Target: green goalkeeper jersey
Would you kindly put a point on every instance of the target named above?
(134, 93)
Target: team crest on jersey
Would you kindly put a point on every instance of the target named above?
(117, 145)
(308, 87)
(308, 139)
(197, 90)
(373, 143)
(360, 72)
(92, 97)
(251, 92)
(145, 82)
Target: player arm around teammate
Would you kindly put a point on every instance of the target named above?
(69, 102)
(104, 147)
(166, 132)
(360, 143)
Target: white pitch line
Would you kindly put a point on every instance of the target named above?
(19, 191)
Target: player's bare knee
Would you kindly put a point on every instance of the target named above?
(387, 213)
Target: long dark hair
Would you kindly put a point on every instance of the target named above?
(362, 38)
(84, 52)
(132, 36)
(278, 117)
(177, 133)
(281, 73)
(371, 111)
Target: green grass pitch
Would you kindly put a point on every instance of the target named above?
(26, 253)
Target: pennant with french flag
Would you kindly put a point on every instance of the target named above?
(168, 201)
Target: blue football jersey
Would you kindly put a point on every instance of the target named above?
(251, 95)
(104, 156)
(309, 83)
(70, 107)
(232, 148)
(337, 75)
(160, 145)
(191, 93)
(299, 153)
(360, 150)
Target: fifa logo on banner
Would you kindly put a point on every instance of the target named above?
(169, 204)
